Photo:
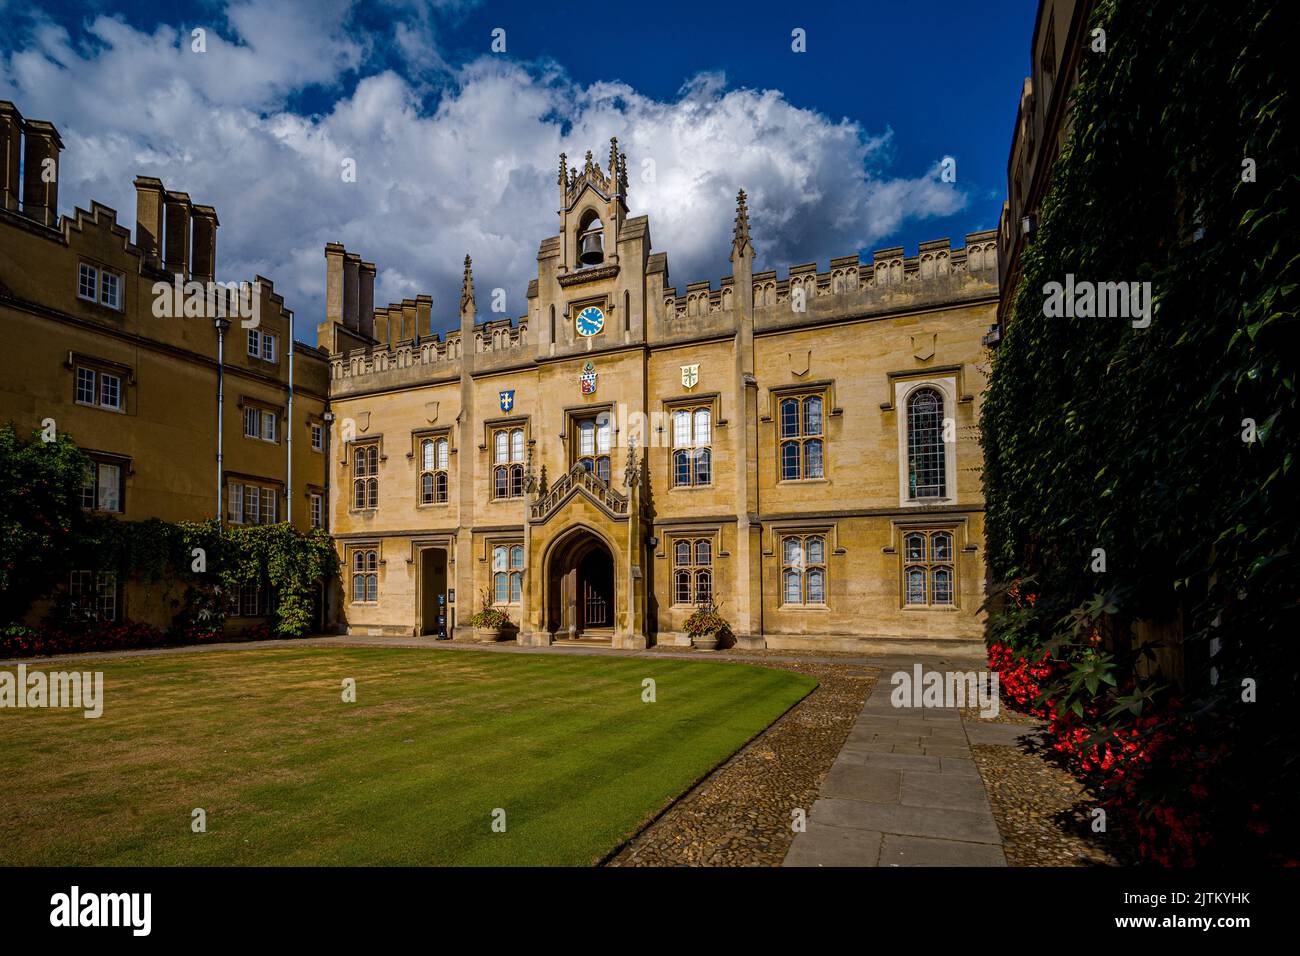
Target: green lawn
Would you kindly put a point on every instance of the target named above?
(409, 774)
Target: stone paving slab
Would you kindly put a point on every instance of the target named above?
(964, 825)
(904, 792)
(859, 782)
(898, 850)
(834, 846)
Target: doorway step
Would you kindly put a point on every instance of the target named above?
(595, 637)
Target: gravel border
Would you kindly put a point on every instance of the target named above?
(1043, 812)
(741, 814)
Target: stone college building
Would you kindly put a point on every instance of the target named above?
(801, 452)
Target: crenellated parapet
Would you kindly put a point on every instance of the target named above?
(936, 268)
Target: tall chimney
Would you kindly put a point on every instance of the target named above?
(176, 251)
(11, 144)
(351, 289)
(203, 258)
(366, 300)
(41, 172)
(149, 218)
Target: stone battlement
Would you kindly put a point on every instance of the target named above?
(935, 267)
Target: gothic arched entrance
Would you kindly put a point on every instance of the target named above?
(580, 589)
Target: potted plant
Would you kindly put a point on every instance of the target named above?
(490, 624)
(707, 628)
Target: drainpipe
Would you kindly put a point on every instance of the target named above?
(221, 325)
(288, 437)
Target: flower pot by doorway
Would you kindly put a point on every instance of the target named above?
(491, 625)
(707, 628)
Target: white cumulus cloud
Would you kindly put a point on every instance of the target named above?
(462, 163)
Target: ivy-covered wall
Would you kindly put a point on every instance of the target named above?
(1167, 451)
(177, 576)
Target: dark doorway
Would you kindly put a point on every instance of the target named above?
(435, 615)
(580, 592)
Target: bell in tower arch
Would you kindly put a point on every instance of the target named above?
(591, 244)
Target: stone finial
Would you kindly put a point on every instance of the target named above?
(589, 166)
(740, 239)
(564, 171)
(467, 285)
(541, 485)
(613, 159)
(622, 175)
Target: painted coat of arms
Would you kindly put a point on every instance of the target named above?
(507, 400)
(589, 379)
(690, 375)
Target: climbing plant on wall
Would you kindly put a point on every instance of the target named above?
(1167, 451)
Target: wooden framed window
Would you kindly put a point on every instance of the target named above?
(92, 595)
(251, 600)
(317, 437)
(507, 573)
(433, 471)
(364, 569)
(692, 456)
(315, 508)
(101, 488)
(262, 345)
(693, 571)
(365, 477)
(929, 569)
(260, 423)
(801, 426)
(110, 289)
(251, 504)
(100, 285)
(97, 388)
(508, 462)
(803, 570)
(593, 438)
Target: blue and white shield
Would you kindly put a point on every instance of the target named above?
(507, 400)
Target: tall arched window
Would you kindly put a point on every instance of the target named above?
(926, 464)
(594, 440)
(693, 571)
(507, 573)
(433, 471)
(508, 463)
(692, 457)
(929, 570)
(803, 569)
(802, 434)
(365, 477)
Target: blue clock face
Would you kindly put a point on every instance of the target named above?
(590, 320)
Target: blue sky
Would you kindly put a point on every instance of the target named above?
(456, 145)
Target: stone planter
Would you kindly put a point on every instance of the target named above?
(705, 642)
(490, 635)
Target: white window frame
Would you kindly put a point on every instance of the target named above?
(115, 301)
(86, 271)
(903, 391)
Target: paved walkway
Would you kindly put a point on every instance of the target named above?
(905, 792)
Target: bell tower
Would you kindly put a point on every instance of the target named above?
(593, 211)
